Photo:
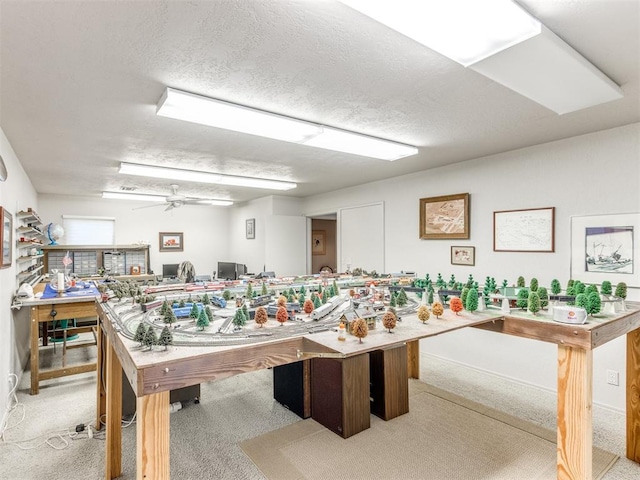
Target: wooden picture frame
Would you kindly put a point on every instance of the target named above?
(171, 242)
(318, 242)
(446, 216)
(6, 238)
(250, 229)
(604, 247)
(463, 255)
(531, 230)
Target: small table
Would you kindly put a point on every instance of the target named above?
(81, 304)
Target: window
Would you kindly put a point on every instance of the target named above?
(79, 230)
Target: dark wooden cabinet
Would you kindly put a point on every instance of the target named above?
(340, 394)
(292, 387)
(389, 382)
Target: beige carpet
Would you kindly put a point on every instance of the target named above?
(442, 437)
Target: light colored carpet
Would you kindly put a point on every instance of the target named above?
(443, 436)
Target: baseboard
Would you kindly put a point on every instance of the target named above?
(516, 380)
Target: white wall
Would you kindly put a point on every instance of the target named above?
(16, 194)
(205, 228)
(597, 173)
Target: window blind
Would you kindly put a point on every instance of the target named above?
(79, 230)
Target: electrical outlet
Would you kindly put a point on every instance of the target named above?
(613, 377)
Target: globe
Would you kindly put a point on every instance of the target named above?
(54, 232)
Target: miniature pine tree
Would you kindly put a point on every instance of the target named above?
(533, 285)
(402, 299)
(581, 300)
(164, 308)
(437, 309)
(302, 291)
(150, 338)
(389, 320)
(301, 300)
(606, 287)
(452, 281)
(336, 290)
(440, 281)
(359, 328)
(505, 284)
(209, 313)
(430, 298)
(319, 289)
(520, 283)
(523, 298)
(593, 303)
(533, 302)
(544, 297)
(591, 288)
(166, 337)
(139, 335)
(249, 292)
(325, 296)
(238, 318)
(308, 307)
(393, 301)
(195, 312)
(463, 295)
(423, 313)
(245, 311)
(264, 288)
(291, 298)
(570, 283)
(282, 301)
(471, 303)
(621, 290)
(226, 295)
(202, 320)
(261, 316)
(205, 299)
(181, 303)
(555, 286)
(282, 315)
(455, 305)
(579, 287)
(316, 302)
(571, 293)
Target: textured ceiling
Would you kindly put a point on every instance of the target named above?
(80, 82)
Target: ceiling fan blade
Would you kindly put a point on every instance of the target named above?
(171, 206)
(147, 206)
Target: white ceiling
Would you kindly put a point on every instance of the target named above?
(80, 82)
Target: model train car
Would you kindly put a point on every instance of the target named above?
(324, 310)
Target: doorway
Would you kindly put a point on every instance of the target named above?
(324, 253)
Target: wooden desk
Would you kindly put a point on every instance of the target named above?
(40, 312)
(153, 376)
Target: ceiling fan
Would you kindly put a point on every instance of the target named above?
(175, 200)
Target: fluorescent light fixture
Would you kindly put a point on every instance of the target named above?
(203, 177)
(217, 113)
(463, 30)
(160, 198)
(501, 41)
(551, 73)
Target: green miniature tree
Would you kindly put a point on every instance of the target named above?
(325, 296)
(533, 285)
(181, 303)
(544, 297)
(166, 337)
(520, 283)
(430, 297)
(226, 295)
(579, 287)
(523, 299)
(202, 320)
(571, 293)
(452, 281)
(402, 298)
(249, 292)
(555, 286)
(263, 291)
(440, 283)
(470, 281)
(505, 284)
(591, 288)
(140, 332)
(336, 290)
(170, 316)
(301, 299)
(302, 291)
(393, 301)
(606, 288)
(593, 303)
(164, 307)
(195, 312)
(570, 283)
(209, 313)
(320, 289)
(205, 299)
(463, 296)
(621, 290)
(316, 302)
(150, 338)
(245, 312)
(533, 302)
(471, 302)
(581, 301)
(238, 318)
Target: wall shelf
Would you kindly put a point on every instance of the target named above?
(30, 236)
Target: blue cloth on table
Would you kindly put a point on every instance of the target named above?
(82, 289)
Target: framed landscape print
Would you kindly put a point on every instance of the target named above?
(445, 217)
(171, 242)
(463, 256)
(529, 230)
(318, 245)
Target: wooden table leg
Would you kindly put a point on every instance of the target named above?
(35, 353)
(113, 447)
(152, 436)
(413, 358)
(575, 415)
(633, 395)
(101, 394)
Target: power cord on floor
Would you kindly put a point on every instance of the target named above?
(12, 405)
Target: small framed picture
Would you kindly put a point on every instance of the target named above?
(446, 216)
(171, 242)
(6, 238)
(463, 256)
(318, 246)
(251, 228)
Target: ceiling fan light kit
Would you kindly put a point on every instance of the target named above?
(174, 200)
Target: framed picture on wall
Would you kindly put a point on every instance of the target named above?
(318, 245)
(171, 242)
(445, 217)
(250, 226)
(524, 230)
(463, 256)
(6, 238)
